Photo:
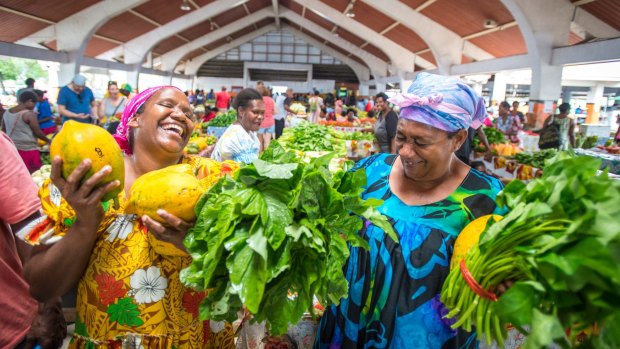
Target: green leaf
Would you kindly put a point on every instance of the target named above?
(516, 305)
(544, 330)
(125, 312)
(248, 276)
(274, 171)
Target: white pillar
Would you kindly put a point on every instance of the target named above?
(404, 84)
(132, 78)
(67, 72)
(499, 88)
(364, 89)
(593, 103)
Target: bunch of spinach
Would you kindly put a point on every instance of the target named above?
(494, 136)
(224, 120)
(561, 243)
(308, 136)
(535, 159)
(276, 235)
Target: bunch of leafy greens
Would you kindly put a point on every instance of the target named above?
(276, 235)
(535, 159)
(224, 120)
(308, 136)
(494, 136)
(561, 243)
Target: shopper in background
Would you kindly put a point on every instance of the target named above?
(126, 268)
(566, 126)
(45, 115)
(516, 113)
(211, 95)
(507, 123)
(267, 128)
(126, 91)
(385, 126)
(111, 107)
(77, 102)
(29, 86)
(240, 142)
(200, 97)
(22, 126)
(315, 104)
(283, 109)
(23, 323)
(429, 197)
(222, 99)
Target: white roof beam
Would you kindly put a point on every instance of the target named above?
(593, 25)
(597, 51)
(192, 66)
(169, 60)
(276, 11)
(74, 32)
(379, 67)
(446, 45)
(362, 72)
(401, 58)
(136, 49)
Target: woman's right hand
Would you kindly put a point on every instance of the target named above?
(84, 198)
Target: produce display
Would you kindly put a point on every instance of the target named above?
(505, 149)
(224, 120)
(586, 142)
(535, 159)
(298, 108)
(77, 141)
(199, 143)
(560, 244)
(41, 175)
(612, 149)
(336, 123)
(312, 137)
(274, 236)
(494, 136)
(358, 136)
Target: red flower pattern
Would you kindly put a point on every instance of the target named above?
(191, 301)
(109, 288)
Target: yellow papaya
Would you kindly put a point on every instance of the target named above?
(77, 141)
(469, 236)
(174, 189)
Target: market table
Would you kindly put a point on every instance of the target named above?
(609, 161)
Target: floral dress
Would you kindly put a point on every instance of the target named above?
(130, 295)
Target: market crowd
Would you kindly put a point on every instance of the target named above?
(421, 171)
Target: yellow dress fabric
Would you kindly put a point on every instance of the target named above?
(130, 295)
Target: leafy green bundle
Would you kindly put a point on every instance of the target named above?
(308, 136)
(224, 120)
(494, 136)
(275, 236)
(561, 243)
(535, 159)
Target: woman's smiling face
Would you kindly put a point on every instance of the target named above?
(425, 152)
(165, 122)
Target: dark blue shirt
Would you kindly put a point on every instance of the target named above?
(77, 103)
(45, 111)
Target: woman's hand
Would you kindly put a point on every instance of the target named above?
(173, 232)
(84, 198)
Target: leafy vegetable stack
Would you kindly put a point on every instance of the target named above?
(224, 120)
(308, 136)
(275, 236)
(561, 243)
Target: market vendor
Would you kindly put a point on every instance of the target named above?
(385, 126)
(429, 196)
(240, 141)
(126, 268)
(349, 116)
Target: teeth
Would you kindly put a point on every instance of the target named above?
(177, 128)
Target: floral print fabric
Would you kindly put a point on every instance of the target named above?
(130, 294)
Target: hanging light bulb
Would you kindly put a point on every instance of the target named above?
(350, 13)
(185, 5)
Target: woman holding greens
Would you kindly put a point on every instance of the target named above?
(429, 196)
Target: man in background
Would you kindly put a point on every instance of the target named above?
(77, 102)
(222, 99)
(283, 103)
(29, 86)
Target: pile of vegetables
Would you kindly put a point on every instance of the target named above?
(494, 136)
(39, 176)
(275, 236)
(536, 159)
(298, 108)
(560, 243)
(586, 142)
(224, 120)
(308, 136)
(336, 123)
(359, 136)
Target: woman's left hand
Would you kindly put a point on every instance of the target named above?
(173, 232)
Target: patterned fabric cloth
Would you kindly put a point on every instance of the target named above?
(130, 294)
(237, 144)
(393, 299)
(442, 102)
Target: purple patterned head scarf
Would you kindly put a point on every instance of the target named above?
(122, 132)
(442, 102)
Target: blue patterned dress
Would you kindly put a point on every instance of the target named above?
(393, 299)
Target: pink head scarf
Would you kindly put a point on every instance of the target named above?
(122, 132)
